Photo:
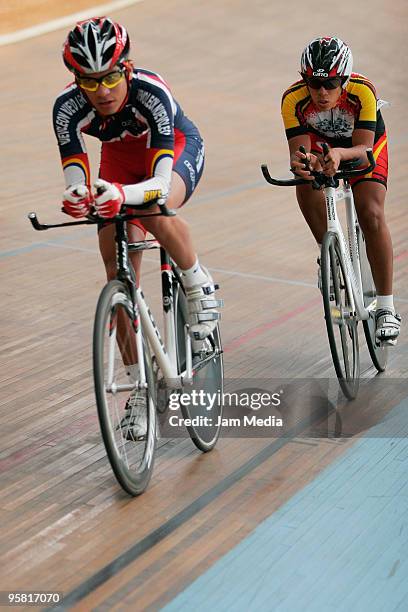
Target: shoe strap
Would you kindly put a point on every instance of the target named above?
(212, 303)
(386, 314)
(202, 317)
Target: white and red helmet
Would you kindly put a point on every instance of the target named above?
(327, 57)
(95, 45)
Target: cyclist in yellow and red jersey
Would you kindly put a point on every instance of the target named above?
(332, 104)
(149, 149)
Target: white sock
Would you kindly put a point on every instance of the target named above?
(194, 275)
(133, 372)
(385, 301)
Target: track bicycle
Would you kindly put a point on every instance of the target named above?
(125, 332)
(348, 289)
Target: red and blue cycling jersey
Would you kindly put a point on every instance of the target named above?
(150, 127)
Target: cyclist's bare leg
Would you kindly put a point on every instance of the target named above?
(369, 198)
(173, 232)
(107, 247)
(312, 205)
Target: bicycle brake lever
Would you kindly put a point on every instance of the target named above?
(35, 222)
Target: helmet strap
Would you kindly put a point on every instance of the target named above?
(128, 66)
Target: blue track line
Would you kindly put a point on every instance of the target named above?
(340, 544)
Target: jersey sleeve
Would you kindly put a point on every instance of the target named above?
(156, 104)
(70, 116)
(362, 89)
(293, 100)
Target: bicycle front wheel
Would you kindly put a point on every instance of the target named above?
(341, 323)
(205, 410)
(378, 351)
(114, 342)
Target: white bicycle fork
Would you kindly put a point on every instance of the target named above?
(348, 250)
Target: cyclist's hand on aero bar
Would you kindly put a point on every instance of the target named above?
(301, 164)
(77, 201)
(108, 198)
(331, 162)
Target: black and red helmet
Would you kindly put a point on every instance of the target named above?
(327, 57)
(95, 45)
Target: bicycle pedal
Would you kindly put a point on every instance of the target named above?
(384, 343)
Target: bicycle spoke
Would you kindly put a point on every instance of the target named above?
(112, 347)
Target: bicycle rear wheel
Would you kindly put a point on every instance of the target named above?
(208, 380)
(378, 351)
(131, 461)
(341, 323)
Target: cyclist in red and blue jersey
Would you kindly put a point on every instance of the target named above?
(332, 104)
(150, 149)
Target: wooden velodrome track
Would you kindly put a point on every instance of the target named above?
(65, 523)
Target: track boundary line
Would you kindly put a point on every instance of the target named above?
(62, 22)
(167, 528)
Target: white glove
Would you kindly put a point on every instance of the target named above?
(108, 198)
(77, 200)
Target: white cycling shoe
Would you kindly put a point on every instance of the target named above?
(134, 423)
(388, 325)
(202, 308)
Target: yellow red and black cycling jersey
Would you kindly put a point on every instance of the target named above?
(355, 109)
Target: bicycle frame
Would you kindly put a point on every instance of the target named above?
(166, 357)
(349, 249)
(165, 352)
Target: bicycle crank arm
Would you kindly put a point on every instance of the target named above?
(215, 355)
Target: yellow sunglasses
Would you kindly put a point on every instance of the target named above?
(110, 80)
